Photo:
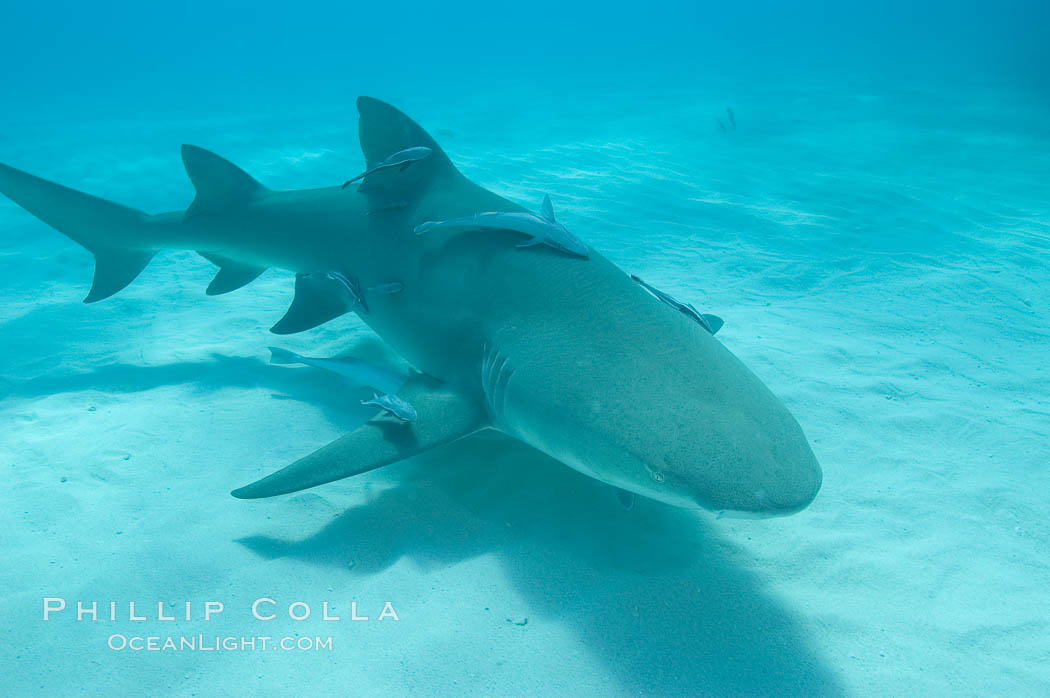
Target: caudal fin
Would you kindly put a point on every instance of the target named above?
(105, 229)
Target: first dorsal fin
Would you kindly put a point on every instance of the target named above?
(383, 131)
(220, 184)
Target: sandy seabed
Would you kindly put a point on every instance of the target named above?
(881, 261)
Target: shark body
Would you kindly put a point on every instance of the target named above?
(564, 353)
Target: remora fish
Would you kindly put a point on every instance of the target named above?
(393, 405)
(543, 229)
(321, 296)
(711, 323)
(385, 382)
(638, 399)
(354, 370)
(349, 288)
(401, 159)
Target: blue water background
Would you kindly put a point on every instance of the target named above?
(875, 233)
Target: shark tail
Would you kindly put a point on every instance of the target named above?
(110, 231)
(284, 357)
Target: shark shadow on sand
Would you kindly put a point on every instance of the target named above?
(654, 594)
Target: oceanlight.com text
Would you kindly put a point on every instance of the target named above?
(215, 643)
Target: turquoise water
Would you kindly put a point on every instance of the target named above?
(875, 233)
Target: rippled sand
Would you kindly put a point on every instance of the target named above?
(880, 259)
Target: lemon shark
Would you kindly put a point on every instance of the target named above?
(563, 352)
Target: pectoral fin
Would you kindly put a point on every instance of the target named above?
(313, 305)
(444, 415)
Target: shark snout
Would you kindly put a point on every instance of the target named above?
(750, 464)
(771, 474)
(784, 497)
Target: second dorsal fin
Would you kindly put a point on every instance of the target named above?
(220, 184)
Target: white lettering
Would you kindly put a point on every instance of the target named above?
(211, 607)
(83, 611)
(324, 613)
(255, 608)
(388, 612)
(50, 606)
(298, 604)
